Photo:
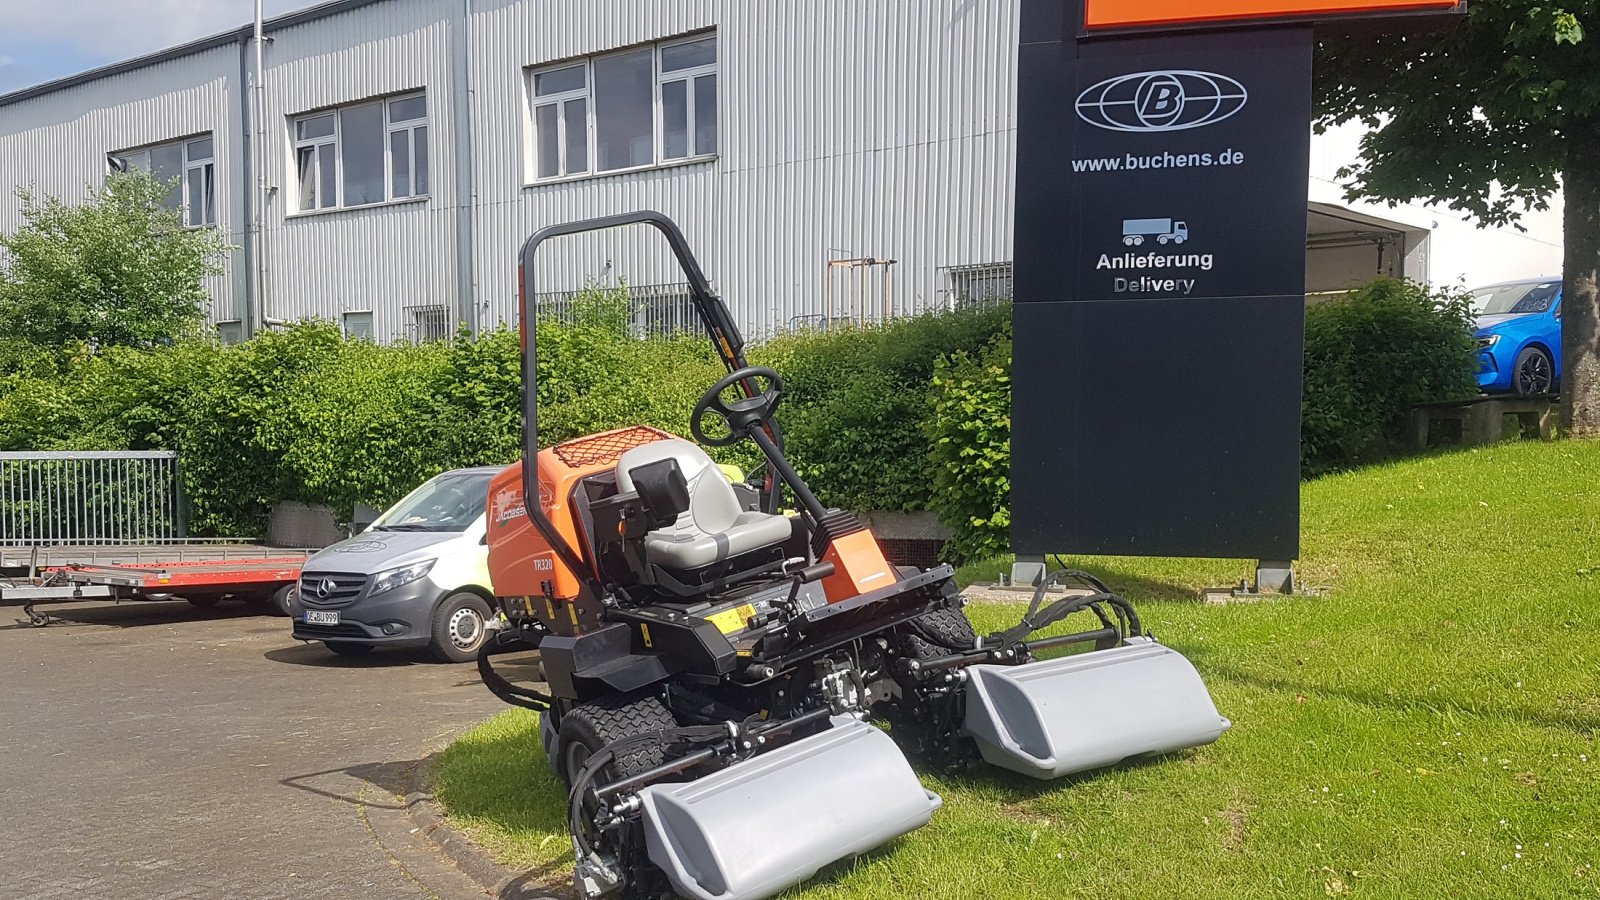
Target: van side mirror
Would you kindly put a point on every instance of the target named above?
(662, 490)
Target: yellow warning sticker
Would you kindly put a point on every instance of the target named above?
(731, 620)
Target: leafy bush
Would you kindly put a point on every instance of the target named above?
(970, 448)
(857, 403)
(118, 269)
(1370, 356)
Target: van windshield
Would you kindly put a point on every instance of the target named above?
(449, 502)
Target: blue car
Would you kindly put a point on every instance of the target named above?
(1519, 337)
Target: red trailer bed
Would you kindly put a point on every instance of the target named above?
(202, 573)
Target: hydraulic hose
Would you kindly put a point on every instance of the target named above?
(499, 686)
(1036, 618)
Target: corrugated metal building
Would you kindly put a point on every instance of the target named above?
(827, 158)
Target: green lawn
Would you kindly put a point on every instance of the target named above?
(1426, 729)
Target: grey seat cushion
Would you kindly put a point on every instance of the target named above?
(714, 527)
(750, 531)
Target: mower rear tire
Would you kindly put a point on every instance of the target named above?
(939, 633)
(587, 727)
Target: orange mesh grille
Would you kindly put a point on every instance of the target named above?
(606, 448)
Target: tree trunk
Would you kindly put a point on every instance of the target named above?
(1580, 302)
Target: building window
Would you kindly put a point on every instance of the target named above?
(358, 325)
(230, 331)
(625, 110)
(190, 166)
(429, 323)
(982, 285)
(362, 154)
(689, 99)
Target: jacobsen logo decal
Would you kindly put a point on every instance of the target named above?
(1173, 100)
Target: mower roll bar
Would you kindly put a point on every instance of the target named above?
(725, 338)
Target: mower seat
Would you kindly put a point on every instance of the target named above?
(714, 527)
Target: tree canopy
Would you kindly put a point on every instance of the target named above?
(1472, 115)
(1489, 113)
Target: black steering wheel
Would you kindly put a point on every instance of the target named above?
(743, 415)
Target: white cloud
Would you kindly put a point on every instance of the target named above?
(7, 60)
(123, 29)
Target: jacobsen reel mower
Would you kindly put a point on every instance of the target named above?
(715, 666)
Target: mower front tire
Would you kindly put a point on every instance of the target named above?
(587, 727)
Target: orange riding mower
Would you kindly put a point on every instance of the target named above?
(716, 670)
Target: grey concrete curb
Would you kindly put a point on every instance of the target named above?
(496, 879)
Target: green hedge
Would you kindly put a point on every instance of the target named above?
(912, 415)
(857, 403)
(970, 444)
(1370, 356)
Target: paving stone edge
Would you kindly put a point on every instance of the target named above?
(427, 816)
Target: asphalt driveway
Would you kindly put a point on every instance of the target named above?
(153, 750)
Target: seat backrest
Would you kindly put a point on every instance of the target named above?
(713, 506)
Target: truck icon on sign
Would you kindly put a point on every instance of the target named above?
(1165, 231)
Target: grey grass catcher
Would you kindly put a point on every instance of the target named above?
(715, 666)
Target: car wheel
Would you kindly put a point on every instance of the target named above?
(348, 648)
(460, 625)
(1533, 373)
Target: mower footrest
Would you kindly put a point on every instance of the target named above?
(1054, 717)
(770, 822)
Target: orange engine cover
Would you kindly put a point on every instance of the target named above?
(521, 561)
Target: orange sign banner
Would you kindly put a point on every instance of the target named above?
(1147, 13)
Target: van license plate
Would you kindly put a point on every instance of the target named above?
(322, 617)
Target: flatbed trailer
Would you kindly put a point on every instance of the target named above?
(203, 573)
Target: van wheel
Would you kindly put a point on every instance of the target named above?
(460, 625)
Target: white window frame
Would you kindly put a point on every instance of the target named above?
(345, 329)
(559, 101)
(410, 127)
(125, 157)
(337, 140)
(586, 93)
(687, 76)
(200, 165)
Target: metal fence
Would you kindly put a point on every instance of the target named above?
(654, 310)
(90, 497)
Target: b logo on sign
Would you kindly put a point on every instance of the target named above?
(1173, 100)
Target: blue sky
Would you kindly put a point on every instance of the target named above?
(41, 40)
